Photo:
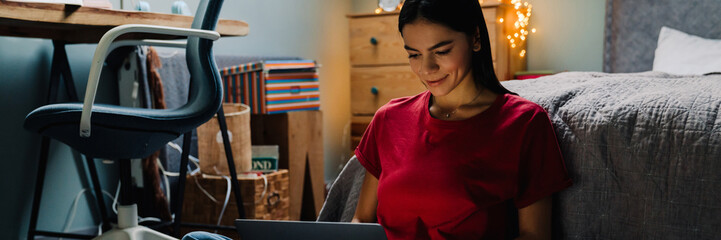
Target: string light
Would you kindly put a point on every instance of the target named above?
(519, 32)
(378, 10)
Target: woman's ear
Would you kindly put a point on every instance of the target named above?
(477, 40)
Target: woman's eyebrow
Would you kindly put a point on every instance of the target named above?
(437, 45)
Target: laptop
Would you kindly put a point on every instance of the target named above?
(249, 229)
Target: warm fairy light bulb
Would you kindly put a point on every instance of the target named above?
(378, 10)
(520, 22)
(533, 30)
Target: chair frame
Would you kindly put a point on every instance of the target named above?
(106, 45)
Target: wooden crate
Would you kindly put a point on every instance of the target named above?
(273, 205)
(299, 137)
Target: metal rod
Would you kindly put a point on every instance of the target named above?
(98, 193)
(64, 235)
(177, 207)
(126, 183)
(231, 164)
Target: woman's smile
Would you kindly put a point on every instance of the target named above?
(436, 82)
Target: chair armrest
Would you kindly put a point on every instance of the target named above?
(146, 42)
(107, 44)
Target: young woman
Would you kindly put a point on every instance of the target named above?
(466, 159)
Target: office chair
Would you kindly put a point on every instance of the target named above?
(121, 133)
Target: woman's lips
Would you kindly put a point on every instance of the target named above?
(437, 82)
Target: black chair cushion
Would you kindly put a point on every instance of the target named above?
(116, 132)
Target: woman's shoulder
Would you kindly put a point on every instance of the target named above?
(522, 108)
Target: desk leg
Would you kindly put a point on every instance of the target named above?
(60, 68)
(39, 181)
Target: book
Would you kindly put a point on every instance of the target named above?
(98, 4)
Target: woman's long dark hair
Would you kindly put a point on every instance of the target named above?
(463, 16)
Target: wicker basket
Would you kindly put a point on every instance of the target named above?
(271, 204)
(210, 142)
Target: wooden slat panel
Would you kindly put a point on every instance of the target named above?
(391, 82)
(357, 128)
(389, 46)
(64, 22)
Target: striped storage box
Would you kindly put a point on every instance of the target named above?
(273, 86)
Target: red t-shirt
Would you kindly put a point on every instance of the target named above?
(454, 179)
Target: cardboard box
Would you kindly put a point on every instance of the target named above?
(273, 86)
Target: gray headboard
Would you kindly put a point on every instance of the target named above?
(632, 28)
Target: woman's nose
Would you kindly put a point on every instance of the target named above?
(429, 65)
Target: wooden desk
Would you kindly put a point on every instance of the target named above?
(73, 24)
(67, 24)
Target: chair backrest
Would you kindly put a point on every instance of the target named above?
(205, 82)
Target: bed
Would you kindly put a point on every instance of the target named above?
(642, 147)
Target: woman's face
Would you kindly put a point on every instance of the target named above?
(440, 56)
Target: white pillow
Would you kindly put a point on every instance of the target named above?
(680, 53)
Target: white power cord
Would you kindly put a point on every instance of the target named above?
(225, 204)
(194, 160)
(73, 209)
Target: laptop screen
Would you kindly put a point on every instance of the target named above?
(249, 229)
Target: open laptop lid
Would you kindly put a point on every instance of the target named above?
(249, 229)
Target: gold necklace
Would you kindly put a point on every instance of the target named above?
(449, 114)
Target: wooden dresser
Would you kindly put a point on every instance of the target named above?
(380, 69)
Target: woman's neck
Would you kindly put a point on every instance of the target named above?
(464, 94)
(462, 102)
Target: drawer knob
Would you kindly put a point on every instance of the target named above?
(374, 41)
(374, 90)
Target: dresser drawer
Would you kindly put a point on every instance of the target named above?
(389, 81)
(376, 41)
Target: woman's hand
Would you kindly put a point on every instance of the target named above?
(534, 221)
(367, 201)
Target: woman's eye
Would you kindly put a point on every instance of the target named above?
(412, 55)
(443, 52)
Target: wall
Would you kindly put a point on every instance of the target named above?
(569, 33)
(25, 67)
(314, 29)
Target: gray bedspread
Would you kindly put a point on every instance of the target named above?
(643, 150)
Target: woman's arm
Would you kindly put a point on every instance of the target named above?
(534, 221)
(368, 200)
